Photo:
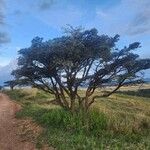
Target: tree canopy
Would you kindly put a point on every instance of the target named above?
(62, 65)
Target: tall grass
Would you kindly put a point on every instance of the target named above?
(93, 122)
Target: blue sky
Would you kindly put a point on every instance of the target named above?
(22, 20)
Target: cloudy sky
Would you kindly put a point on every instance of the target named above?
(22, 20)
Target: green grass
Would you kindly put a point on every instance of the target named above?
(121, 122)
(29, 96)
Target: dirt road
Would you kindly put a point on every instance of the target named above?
(9, 140)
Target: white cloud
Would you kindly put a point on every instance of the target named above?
(100, 13)
(4, 37)
(129, 17)
(4, 61)
(5, 71)
(18, 48)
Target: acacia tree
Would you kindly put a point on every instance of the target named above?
(1, 87)
(17, 82)
(11, 84)
(62, 65)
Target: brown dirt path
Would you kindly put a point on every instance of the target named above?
(9, 140)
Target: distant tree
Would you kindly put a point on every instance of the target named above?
(62, 65)
(17, 82)
(11, 84)
(1, 87)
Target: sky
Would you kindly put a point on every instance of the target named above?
(22, 20)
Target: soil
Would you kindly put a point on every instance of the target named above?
(9, 139)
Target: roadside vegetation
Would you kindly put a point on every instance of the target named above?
(121, 121)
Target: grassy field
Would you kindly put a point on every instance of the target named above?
(120, 122)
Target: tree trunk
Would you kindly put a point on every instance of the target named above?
(12, 88)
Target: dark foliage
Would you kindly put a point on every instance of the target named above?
(11, 84)
(140, 92)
